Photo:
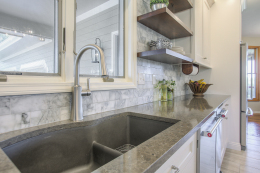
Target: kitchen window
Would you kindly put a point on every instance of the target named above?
(62, 81)
(29, 37)
(253, 73)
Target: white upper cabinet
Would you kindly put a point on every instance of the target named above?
(206, 33)
(197, 46)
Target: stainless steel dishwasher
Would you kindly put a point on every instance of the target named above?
(209, 143)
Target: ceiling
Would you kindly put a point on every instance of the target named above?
(251, 19)
(39, 11)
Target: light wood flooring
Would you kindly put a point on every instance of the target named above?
(245, 161)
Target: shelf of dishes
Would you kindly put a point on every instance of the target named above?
(165, 44)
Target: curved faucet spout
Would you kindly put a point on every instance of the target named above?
(101, 56)
(77, 110)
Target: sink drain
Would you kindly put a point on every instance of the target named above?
(125, 148)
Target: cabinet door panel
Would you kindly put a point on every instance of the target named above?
(206, 32)
(198, 30)
(190, 167)
(182, 158)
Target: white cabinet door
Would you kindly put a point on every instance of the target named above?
(191, 166)
(206, 33)
(198, 30)
(184, 158)
(201, 42)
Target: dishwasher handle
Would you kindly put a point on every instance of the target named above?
(210, 133)
(223, 113)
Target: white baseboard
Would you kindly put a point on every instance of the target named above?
(234, 146)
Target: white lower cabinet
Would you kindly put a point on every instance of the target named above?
(184, 159)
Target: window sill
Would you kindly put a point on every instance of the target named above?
(33, 88)
(254, 100)
(55, 85)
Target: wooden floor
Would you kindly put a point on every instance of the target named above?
(245, 161)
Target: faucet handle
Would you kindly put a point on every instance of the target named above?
(87, 92)
(88, 81)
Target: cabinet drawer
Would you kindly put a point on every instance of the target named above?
(182, 158)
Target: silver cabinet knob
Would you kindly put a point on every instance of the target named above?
(205, 58)
(176, 169)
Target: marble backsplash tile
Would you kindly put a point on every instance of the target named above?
(5, 108)
(18, 112)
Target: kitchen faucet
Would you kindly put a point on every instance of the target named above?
(77, 110)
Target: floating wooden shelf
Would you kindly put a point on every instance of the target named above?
(164, 56)
(179, 5)
(166, 23)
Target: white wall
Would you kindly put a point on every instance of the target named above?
(225, 53)
(253, 41)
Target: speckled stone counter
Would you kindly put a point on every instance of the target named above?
(146, 157)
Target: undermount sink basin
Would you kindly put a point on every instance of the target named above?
(84, 149)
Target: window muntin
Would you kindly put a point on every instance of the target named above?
(31, 25)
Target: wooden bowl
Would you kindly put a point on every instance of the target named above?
(199, 89)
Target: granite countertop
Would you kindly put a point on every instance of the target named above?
(146, 157)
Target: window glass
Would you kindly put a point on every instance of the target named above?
(251, 73)
(27, 35)
(100, 22)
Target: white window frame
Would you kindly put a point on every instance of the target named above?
(21, 85)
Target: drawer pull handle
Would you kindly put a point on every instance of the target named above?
(177, 170)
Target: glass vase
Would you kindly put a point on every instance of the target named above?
(164, 93)
(170, 95)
